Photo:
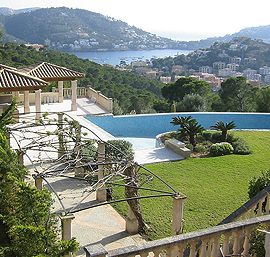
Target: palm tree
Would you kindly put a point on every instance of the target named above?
(191, 129)
(181, 120)
(219, 125)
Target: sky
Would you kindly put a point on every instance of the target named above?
(177, 19)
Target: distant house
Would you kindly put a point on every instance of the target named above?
(166, 79)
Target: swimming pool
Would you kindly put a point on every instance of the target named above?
(150, 125)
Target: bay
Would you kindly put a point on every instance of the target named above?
(115, 57)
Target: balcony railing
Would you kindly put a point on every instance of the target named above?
(232, 237)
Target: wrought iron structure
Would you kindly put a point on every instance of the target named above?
(76, 165)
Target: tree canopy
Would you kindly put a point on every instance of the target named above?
(238, 95)
(183, 86)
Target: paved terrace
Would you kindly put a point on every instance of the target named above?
(100, 224)
(87, 107)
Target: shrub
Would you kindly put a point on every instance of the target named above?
(216, 137)
(257, 241)
(200, 138)
(219, 149)
(119, 149)
(231, 138)
(257, 184)
(200, 149)
(190, 147)
(207, 135)
(240, 146)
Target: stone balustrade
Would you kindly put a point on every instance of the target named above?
(231, 238)
(97, 97)
(257, 206)
(53, 97)
(81, 92)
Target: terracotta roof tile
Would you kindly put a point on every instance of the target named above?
(12, 80)
(51, 72)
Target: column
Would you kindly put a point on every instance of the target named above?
(178, 208)
(61, 150)
(78, 170)
(101, 194)
(110, 105)
(26, 102)
(74, 95)
(38, 182)
(38, 104)
(132, 224)
(267, 244)
(16, 94)
(67, 228)
(60, 92)
(20, 156)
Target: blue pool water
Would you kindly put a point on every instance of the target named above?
(150, 125)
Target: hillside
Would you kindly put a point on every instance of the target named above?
(76, 29)
(123, 86)
(242, 47)
(67, 29)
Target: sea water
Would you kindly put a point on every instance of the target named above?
(115, 57)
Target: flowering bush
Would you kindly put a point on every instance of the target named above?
(222, 148)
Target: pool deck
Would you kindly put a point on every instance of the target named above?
(86, 107)
(100, 224)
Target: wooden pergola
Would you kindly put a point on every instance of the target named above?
(51, 72)
(11, 80)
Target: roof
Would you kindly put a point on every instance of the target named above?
(2, 66)
(12, 80)
(51, 72)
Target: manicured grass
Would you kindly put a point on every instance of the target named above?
(215, 187)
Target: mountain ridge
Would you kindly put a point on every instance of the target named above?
(81, 30)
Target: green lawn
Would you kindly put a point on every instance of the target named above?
(215, 187)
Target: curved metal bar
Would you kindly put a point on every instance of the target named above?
(118, 201)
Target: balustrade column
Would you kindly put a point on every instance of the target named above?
(192, 252)
(178, 208)
(236, 245)
(260, 211)
(203, 248)
(60, 92)
(267, 207)
(246, 244)
(26, 102)
(101, 194)
(216, 245)
(74, 95)
(225, 247)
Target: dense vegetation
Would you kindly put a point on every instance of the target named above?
(134, 92)
(27, 226)
(123, 86)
